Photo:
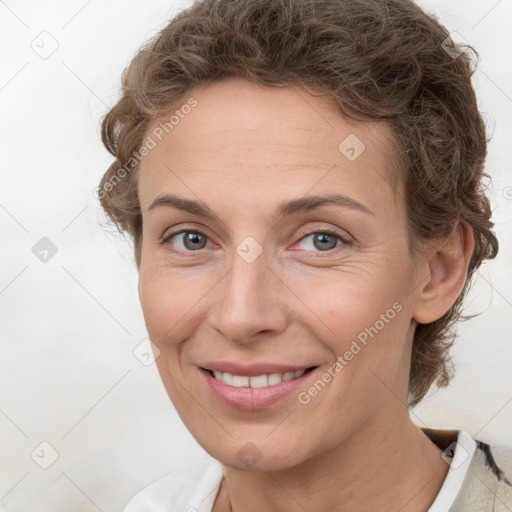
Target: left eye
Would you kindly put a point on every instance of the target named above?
(322, 240)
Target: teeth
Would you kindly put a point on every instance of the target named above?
(260, 381)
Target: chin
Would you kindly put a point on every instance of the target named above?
(258, 456)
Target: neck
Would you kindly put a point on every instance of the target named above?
(376, 468)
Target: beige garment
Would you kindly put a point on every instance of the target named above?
(487, 486)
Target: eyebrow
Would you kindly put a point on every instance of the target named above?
(284, 209)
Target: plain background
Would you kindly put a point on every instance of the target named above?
(69, 326)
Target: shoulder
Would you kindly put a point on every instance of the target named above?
(191, 489)
(498, 460)
(488, 483)
(480, 474)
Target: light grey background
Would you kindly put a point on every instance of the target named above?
(68, 375)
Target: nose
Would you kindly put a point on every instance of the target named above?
(248, 301)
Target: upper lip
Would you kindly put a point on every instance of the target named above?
(252, 370)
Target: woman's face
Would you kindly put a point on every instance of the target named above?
(255, 282)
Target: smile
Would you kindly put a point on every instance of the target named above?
(251, 393)
(258, 381)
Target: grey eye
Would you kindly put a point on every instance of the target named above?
(191, 240)
(321, 241)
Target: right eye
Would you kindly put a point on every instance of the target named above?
(190, 240)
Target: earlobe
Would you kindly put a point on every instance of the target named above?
(446, 274)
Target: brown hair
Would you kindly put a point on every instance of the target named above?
(380, 59)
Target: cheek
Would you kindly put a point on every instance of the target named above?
(360, 317)
(168, 303)
(350, 301)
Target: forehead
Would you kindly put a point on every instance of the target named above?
(245, 139)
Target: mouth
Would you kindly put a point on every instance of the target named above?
(252, 393)
(265, 380)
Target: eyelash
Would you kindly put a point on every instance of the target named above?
(345, 239)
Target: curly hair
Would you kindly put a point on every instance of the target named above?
(376, 59)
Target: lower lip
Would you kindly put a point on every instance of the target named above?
(253, 399)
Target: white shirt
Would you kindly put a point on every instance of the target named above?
(194, 489)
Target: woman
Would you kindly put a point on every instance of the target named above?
(326, 158)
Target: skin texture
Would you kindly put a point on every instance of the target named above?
(241, 151)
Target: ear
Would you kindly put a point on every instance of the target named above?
(446, 271)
